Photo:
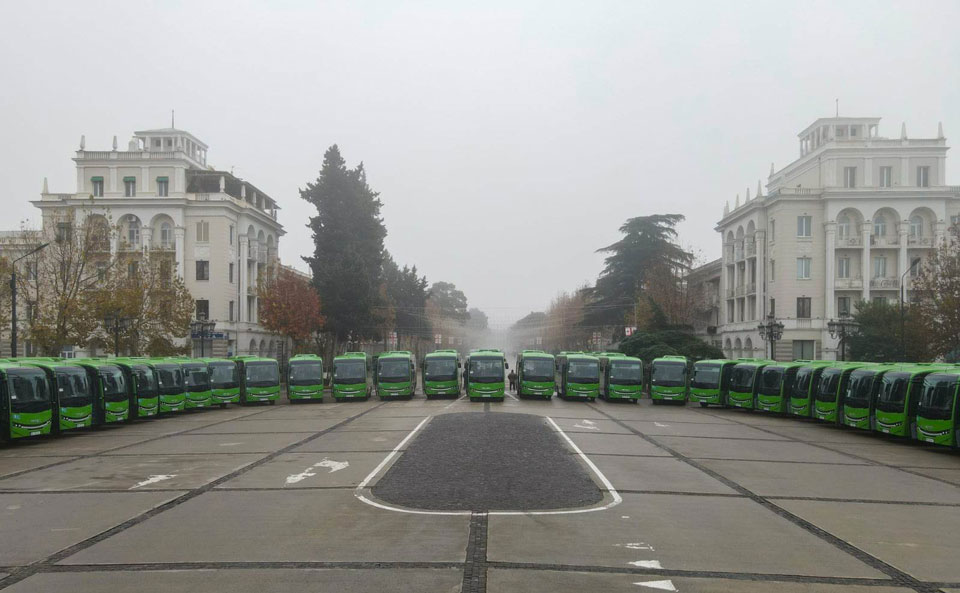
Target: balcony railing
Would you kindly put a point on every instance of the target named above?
(751, 288)
(920, 241)
(728, 252)
(731, 293)
(261, 256)
(884, 241)
(751, 249)
(884, 283)
(848, 283)
(252, 251)
(738, 253)
(740, 290)
(850, 242)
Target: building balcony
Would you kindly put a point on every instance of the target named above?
(885, 283)
(262, 256)
(741, 290)
(751, 249)
(738, 254)
(848, 283)
(252, 251)
(850, 242)
(731, 293)
(884, 241)
(920, 241)
(728, 253)
(752, 288)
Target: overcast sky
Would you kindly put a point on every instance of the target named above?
(508, 140)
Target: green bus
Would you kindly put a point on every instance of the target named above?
(224, 381)
(621, 377)
(111, 389)
(144, 397)
(710, 381)
(485, 377)
(668, 379)
(577, 376)
(196, 383)
(72, 394)
(860, 401)
(26, 402)
(259, 379)
(170, 385)
(899, 396)
(743, 383)
(305, 378)
(535, 370)
(351, 376)
(832, 391)
(937, 409)
(396, 375)
(775, 385)
(804, 387)
(440, 374)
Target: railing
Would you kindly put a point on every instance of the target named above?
(252, 251)
(730, 293)
(884, 241)
(848, 283)
(738, 252)
(252, 290)
(751, 249)
(882, 283)
(751, 288)
(850, 242)
(203, 197)
(728, 252)
(262, 256)
(740, 290)
(920, 241)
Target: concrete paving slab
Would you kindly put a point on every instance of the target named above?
(819, 433)
(859, 482)
(950, 475)
(590, 426)
(179, 472)
(367, 424)
(74, 444)
(291, 525)
(903, 454)
(747, 417)
(373, 440)
(689, 429)
(42, 524)
(547, 581)
(269, 425)
(685, 532)
(380, 580)
(12, 465)
(216, 443)
(922, 541)
(308, 470)
(655, 473)
(615, 444)
(753, 449)
(646, 411)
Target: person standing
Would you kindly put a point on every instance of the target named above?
(512, 376)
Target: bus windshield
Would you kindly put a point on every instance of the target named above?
(771, 380)
(801, 386)
(626, 373)
(829, 381)
(223, 375)
(668, 374)
(893, 392)
(306, 373)
(394, 371)
(73, 387)
(169, 379)
(196, 377)
(859, 388)
(262, 374)
(741, 379)
(28, 390)
(706, 376)
(936, 401)
(440, 369)
(114, 383)
(146, 381)
(583, 371)
(349, 371)
(486, 370)
(537, 369)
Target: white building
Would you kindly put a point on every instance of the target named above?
(222, 230)
(841, 224)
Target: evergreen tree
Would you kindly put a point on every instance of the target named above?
(878, 335)
(451, 303)
(348, 235)
(407, 293)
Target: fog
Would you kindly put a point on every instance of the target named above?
(508, 140)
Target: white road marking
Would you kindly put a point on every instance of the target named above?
(65, 529)
(617, 499)
(661, 425)
(153, 480)
(645, 564)
(638, 546)
(590, 422)
(230, 444)
(13, 507)
(661, 585)
(310, 472)
(334, 466)
(515, 398)
(456, 401)
(624, 516)
(585, 426)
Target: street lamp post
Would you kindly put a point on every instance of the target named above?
(771, 331)
(202, 328)
(116, 323)
(13, 298)
(841, 328)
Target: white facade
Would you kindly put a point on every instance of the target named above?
(222, 231)
(841, 224)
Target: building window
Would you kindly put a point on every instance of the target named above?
(880, 226)
(31, 311)
(843, 226)
(773, 231)
(804, 226)
(923, 176)
(129, 187)
(166, 235)
(203, 309)
(133, 232)
(203, 232)
(31, 270)
(879, 301)
(203, 270)
(97, 187)
(64, 232)
(163, 187)
(166, 274)
(230, 267)
(773, 270)
(803, 307)
(843, 267)
(803, 268)
(231, 234)
(915, 267)
(804, 350)
(880, 267)
(916, 227)
(773, 307)
(850, 177)
(955, 220)
(101, 271)
(886, 176)
(843, 306)
(133, 269)
(231, 310)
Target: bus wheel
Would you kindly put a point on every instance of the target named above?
(704, 404)
(656, 402)
(591, 399)
(223, 406)
(273, 401)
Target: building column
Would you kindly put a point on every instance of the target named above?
(903, 261)
(178, 234)
(830, 305)
(760, 296)
(242, 304)
(865, 258)
(147, 238)
(737, 280)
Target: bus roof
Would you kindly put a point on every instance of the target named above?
(442, 354)
(719, 361)
(351, 356)
(756, 362)
(396, 354)
(496, 353)
(581, 356)
(305, 357)
(625, 358)
(246, 359)
(671, 358)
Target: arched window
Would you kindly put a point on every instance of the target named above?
(843, 226)
(166, 235)
(133, 231)
(879, 226)
(916, 227)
